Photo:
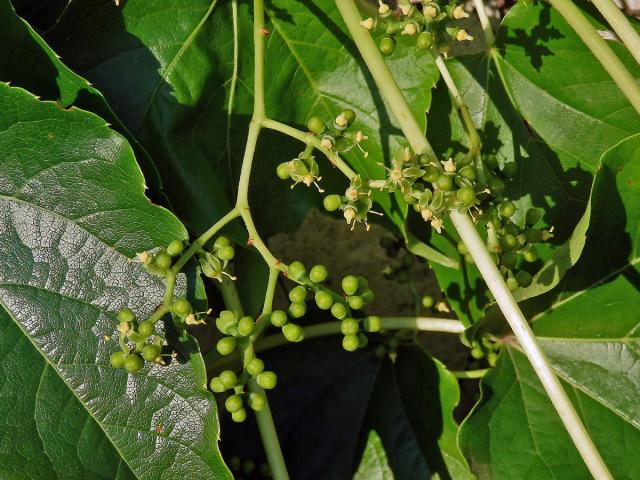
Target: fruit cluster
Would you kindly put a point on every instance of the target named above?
(430, 22)
(214, 263)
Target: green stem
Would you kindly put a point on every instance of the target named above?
(203, 239)
(384, 79)
(621, 25)
(485, 22)
(310, 139)
(470, 374)
(530, 345)
(483, 260)
(425, 324)
(598, 46)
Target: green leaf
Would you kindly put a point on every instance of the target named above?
(72, 210)
(374, 464)
(560, 87)
(591, 336)
(170, 73)
(29, 63)
(411, 412)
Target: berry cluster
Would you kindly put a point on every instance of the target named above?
(335, 137)
(160, 262)
(214, 263)
(486, 348)
(355, 204)
(430, 22)
(237, 332)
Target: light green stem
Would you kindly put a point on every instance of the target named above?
(425, 324)
(530, 345)
(384, 79)
(598, 46)
(485, 22)
(482, 259)
(621, 25)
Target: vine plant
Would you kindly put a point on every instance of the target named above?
(464, 192)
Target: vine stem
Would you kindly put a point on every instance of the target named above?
(485, 22)
(467, 231)
(621, 25)
(598, 46)
(530, 345)
(425, 324)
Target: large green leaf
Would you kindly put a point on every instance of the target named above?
(28, 62)
(589, 329)
(72, 210)
(170, 73)
(560, 87)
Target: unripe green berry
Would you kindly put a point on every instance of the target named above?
(293, 332)
(315, 125)
(466, 195)
(133, 363)
(350, 115)
(256, 401)
(182, 307)
(226, 345)
(508, 259)
(350, 343)
(468, 172)
(530, 255)
(278, 318)
(510, 169)
(477, 352)
(297, 310)
(126, 315)
(297, 271)
(226, 253)
(255, 367)
(355, 302)
(175, 248)
(298, 294)
(512, 284)
(350, 284)
(508, 242)
(496, 187)
(427, 301)
(424, 41)
(267, 380)
(339, 310)
(318, 273)
(216, 385)
(220, 242)
(363, 341)
(233, 403)
(432, 173)
(523, 278)
(533, 216)
(226, 322)
(146, 328)
(282, 170)
(372, 324)
(387, 45)
(163, 260)
(349, 326)
(246, 326)
(117, 359)
(445, 183)
(331, 203)
(239, 416)
(324, 300)
(507, 209)
(151, 352)
(228, 378)
(367, 296)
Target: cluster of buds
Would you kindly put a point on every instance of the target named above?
(214, 263)
(355, 204)
(430, 22)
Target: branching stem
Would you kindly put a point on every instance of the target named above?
(477, 249)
